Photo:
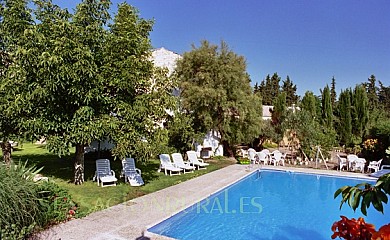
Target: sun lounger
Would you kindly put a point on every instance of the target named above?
(168, 166)
(104, 175)
(179, 162)
(131, 174)
(195, 161)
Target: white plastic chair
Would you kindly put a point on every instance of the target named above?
(104, 174)
(179, 162)
(252, 155)
(342, 162)
(374, 165)
(351, 158)
(195, 161)
(277, 158)
(131, 174)
(359, 164)
(263, 157)
(167, 165)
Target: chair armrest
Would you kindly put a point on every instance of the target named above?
(112, 173)
(200, 160)
(138, 170)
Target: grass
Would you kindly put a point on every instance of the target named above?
(91, 197)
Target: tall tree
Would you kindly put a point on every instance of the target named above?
(15, 20)
(309, 104)
(359, 111)
(372, 92)
(216, 91)
(384, 97)
(345, 119)
(333, 94)
(279, 113)
(327, 112)
(274, 85)
(265, 91)
(290, 89)
(88, 82)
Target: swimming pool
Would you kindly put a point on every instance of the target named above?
(269, 205)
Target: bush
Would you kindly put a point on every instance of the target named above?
(56, 204)
(27, 206)
(19, 204)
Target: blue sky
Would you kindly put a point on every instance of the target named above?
(309, 40)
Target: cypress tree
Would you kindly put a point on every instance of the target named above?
(372, 92)
(327, 112)
(345, 123)
(359, 111)
(333, 94)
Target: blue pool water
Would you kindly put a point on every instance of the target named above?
(270, 205)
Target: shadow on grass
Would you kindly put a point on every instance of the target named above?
(63, 168)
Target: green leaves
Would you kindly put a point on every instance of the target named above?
(365, 194)
(215, 89)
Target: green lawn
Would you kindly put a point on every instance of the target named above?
(91, 197)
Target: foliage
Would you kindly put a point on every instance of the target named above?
(372, 92)
(344, 127)
(384, 97)
(327, 112)
(56, 204)
(34, 205)
(308, 104)
(216, 91)
(181, 132)
(333, 94)
(279, 113)
(269, 88)
(365, 194)
(90, 81)
(359, 113)
(352, 229)
(20, 211)
(290, 89)
(309, 132)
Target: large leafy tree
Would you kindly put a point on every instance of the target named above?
(15, 19)
(216, 91)
(89, 82)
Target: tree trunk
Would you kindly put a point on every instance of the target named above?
(6, 148)
(227, 149)
(79, 165)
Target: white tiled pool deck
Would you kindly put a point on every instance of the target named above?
(130, 220)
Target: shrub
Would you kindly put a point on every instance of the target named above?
(19, 204)
(27, 206)
(56, 204)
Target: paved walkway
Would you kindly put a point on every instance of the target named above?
(130, 220)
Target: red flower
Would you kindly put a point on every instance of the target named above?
(383, 233)
(72, 212)
(352, 229)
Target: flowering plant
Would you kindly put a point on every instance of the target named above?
(352, 229)
(370, 144)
